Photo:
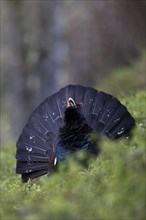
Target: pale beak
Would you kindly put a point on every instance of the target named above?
(71, 103)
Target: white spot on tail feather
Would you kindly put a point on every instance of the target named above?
(29, 149)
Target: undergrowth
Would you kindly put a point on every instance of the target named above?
(112, 188)
(126, 80)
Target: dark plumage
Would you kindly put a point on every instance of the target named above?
(62, 125)
(74, 135)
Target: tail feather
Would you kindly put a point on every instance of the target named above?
(35, 157)
(116, 118)
(48, 115)
(110, 108)
(33, 137)
(27, 145)
(53, 111)
(100, 101)
(88, 102)
(33, 175)
(39, 120)
(122, 127)
(92, 121)
(109, 112)
(23, 167)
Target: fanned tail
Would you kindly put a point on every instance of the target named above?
(36, 146)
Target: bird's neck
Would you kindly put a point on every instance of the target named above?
(75, 128)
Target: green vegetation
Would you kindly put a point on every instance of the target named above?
(112, 188)
(126, 79)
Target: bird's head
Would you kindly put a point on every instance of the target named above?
(72, 104)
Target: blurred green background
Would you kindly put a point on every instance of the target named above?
(46, 45)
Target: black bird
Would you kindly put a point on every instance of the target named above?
(62, 125)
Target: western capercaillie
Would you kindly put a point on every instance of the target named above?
(62, 125)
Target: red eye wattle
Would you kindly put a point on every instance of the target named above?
(78, 105)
